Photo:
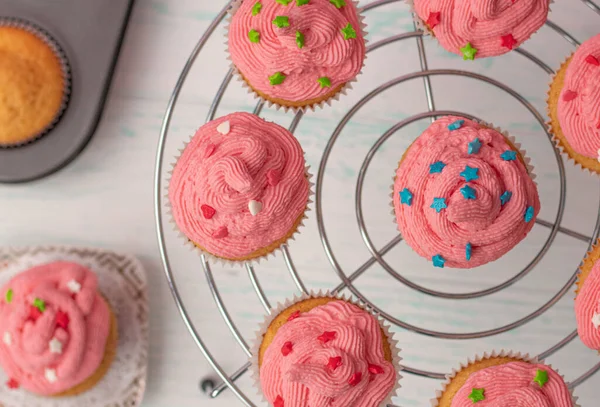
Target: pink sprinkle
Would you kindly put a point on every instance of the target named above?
(326, 337)
(334, 362)
(278, 402)
(287, 348)
(273, 177)
(210, 149)
(374, 369)
(590, 59)
(569, 95)
(208, 211)
(12, 384)
(220, 233)
(62, 320)
(355, 379)
(294, 315)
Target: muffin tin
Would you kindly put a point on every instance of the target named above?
(90, 34)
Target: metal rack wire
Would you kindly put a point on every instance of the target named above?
(347, 278)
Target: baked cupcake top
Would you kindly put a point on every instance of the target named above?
(579, 102)
(331, 355)
(515, 384)
(462, 195)
(297, 50)
(482, 28)
(54, 327)
(239, 186)
(587, 308)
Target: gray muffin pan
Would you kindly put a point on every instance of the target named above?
(90, 33)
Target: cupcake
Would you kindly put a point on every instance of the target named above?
(574, 105)
(59, 334)
(587, 300)
(504, 379)
(325, 351)
(296, 54)
(482, 28)
(463, 194)
(240, 188)
(34, 83)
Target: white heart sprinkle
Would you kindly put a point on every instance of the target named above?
(7, 338)
(599, 155)
(224, 127)
(596, 320)
(74, 286)
(51, 375)
(56, 346)
(255, 207)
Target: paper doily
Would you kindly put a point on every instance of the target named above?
(122, 281)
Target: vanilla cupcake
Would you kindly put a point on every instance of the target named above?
(587, 299)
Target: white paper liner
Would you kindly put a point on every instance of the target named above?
(220, 260)
(66, 71)
(122, 281)
(494, 354)
(343, 91)
(280, 307)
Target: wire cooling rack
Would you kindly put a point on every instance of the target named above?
(377, 255)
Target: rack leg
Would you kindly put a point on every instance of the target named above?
(207, 385)
(218, 389)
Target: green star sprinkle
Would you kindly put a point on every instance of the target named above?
(301, 2)
(256, 8)
(299, 39)
(338, 3)
(9, 295)
(541, 377)
(283, 2)
(254, 36)
(324, 81)
(477, 395)
(282, 21)
(39, 304)
(468, 52)
(348, 32)
(277, 78)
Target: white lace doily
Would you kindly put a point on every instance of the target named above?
(122, 281)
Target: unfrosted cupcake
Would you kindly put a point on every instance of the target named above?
(574, 105)
(481, 28)
(59, 335)
(297, 54)
(463, 194)
(240, 188)
(587, 299)
(325, 351)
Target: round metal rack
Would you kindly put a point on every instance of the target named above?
(347, 279)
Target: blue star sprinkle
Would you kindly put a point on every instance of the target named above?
(470, 173)
(438, 261)
(456, 125)
(509, 155)
(406, 197)
(437, 166)
(505, 197)
(439, 204)
(529, 213)
(474, 146)
(468, 249)
(468, 192)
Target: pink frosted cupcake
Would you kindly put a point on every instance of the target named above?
(59, 334)
(481, 28)
(240, 188)
(297, 53)
(587, 300)
(463, 194)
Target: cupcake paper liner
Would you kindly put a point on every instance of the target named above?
(220, 260)
(280, 307)
(590, 253)
(488, 355)
(65, 67)
(343, 91)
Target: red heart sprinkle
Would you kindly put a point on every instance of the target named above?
(221, 233)
(34, 313)
(294, 315)
(355, 379)
(569, 95)
(590, 59)
(278, 402)
(433, 19)
(334, 363)
(210, 149)
(273, 177)
(12, 384)
(62, 320)
(208, 211)
(374, 369)
(326, 337)
(287, 348)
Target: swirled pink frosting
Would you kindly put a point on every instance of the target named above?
(218, 175)
(513, 385)
(493, 27)
(587, 309)
(579, 103)
(491, 227)
(325, 52)
(330, 356)
(67, 340)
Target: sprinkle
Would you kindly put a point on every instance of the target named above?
(327, 336)
(34, 313)
(468, 192)
(74, 286)
(273, 177)
(468, 250)
(541, 377)
(295, 314)
(596, 321)
(7, 339)
(278, 402)
(348, 32)
(509, 155)
(438, 261)
(287, 348)
(508, 41)
(375, 369)
(599, 148)
(9, 295)
(281, 21)
(209, 150)
(62, 320)
(334, 362)
(51, 375)
(468, 52)
(474, 146)
(505, 197)
(12, 384)
(224, 128)
(301, 2)
(283, 2)
(207, 211)
(456, 125)
(529, 213)
(55, 346)
(355, 379)
(39, 304)
(254, 36)
(592, 60)
(220, 233)
(433, 19)
(299, 39)
(254, 207)
(406, 197)
(338, 3)
(277, 78)
(436, 167)
(477, 395)
(470, 173)
(569, 95)
(439, 204)
(324, 81)
(256, 8)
